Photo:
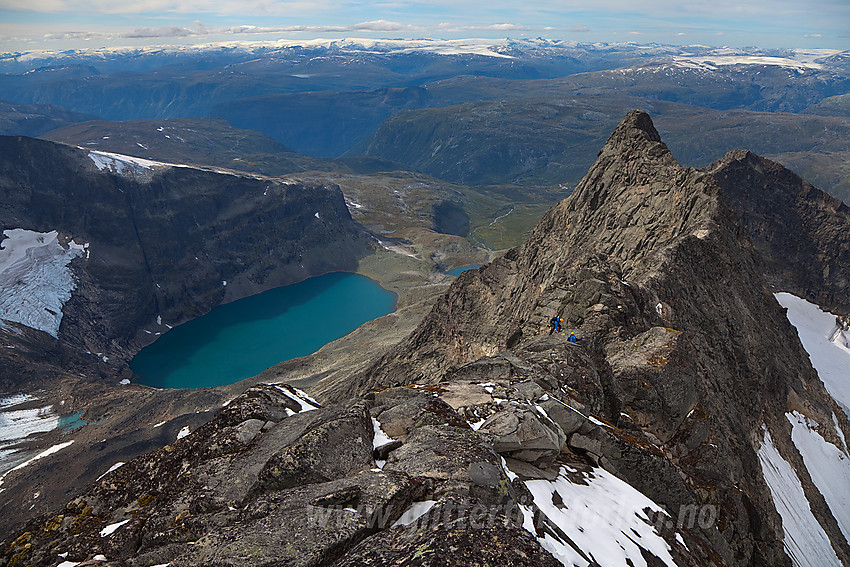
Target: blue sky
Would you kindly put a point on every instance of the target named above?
(69, 24)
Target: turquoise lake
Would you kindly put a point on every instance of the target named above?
(241, 339)
(458, 271)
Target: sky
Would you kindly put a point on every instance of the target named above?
(72, 24)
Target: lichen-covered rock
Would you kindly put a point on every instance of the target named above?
(337, 446)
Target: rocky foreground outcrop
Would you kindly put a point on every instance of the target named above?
(482, 439)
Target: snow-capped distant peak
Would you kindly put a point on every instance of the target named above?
(797, 59)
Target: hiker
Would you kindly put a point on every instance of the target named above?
(574, 339)
(555, 324)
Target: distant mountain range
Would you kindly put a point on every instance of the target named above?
(328, 98)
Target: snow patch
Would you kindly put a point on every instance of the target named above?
(805, 541)
(828, 466)
(35, 279)
(116, 466)
(183, 433)
(602, 516)
(380, 439)
(126, 165)
(47, 453)
(108, 530)
(305, 402)
(826, 344)
(19, 425)
(416, 511)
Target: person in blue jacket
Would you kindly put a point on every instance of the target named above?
(555, 325)
(574, 339)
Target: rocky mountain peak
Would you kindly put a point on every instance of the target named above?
(637, 122)
(649, 263)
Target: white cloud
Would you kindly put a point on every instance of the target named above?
(813, 35)
(381, 26)
(505, 27)
(166, 31)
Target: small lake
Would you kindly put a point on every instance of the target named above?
(241, 339)
(458, 271)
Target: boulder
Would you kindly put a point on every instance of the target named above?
(527, 390)
(463, 394)
(525, 435)
(408, 409)
(338, 445)
(567, 418)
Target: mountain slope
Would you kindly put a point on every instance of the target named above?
(201, 141)
(801, 233)
(646, 259)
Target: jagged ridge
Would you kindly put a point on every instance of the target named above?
(648, 261)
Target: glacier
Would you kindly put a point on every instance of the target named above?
(35, 277)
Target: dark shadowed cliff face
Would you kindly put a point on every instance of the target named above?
(169, 242)
(800, 232)
(647, 261)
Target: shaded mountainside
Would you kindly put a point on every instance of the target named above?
(169, 242)
(35, 119)
(484, 440)
(200, 141)
(548, 134)
(800, 232)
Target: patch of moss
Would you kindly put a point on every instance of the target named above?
(53, 525)
(146, 499)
